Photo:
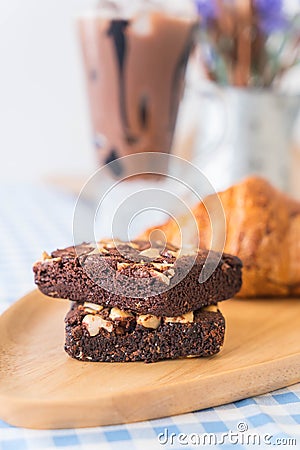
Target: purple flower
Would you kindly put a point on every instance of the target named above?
(265, 7)
(207, 9)
(270, 15)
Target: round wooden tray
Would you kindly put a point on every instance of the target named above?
(41, 387)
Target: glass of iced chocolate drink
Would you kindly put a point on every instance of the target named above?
(135, 55)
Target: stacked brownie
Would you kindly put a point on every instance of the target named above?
(139, 301)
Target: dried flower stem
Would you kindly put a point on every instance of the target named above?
(243, 58)
(241, 38)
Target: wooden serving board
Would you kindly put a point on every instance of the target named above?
(41, 387)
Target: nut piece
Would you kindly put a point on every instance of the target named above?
(171, 272)
(53, 294)
(107, 243)
(94, 323)
(116, 313)
(92, 307)
(211, 308)
(45, 256)
(162, 266)
(161, 276)
(97, 250)
(152, 253)
(121, 266)
(174, 253)
(184, 318)
(148, 321)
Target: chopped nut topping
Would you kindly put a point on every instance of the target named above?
(172, 253)
(95, 322)
(184, 318)
(53, 294)
(171, 272)
(45, 256)
(108, 245)
(89, 311)
(161, 276)
(121, 266)
(152, 253)
(79, 356)
(98, 249)
(148, 321)
(92, 307)
(116, 313)
(162, 266)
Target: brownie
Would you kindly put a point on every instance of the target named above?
(135, 276)
(112, 335)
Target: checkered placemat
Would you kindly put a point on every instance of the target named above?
(35, 218)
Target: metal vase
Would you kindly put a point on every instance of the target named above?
(257, 138)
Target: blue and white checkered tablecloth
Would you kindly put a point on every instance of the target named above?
(37, 217)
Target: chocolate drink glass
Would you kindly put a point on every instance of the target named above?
(135, 63)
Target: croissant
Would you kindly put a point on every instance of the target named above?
(262, 229)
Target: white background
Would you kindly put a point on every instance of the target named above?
(44, 122)
(44, 118)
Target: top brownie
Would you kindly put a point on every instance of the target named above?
(139, 276)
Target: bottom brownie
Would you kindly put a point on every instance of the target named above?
(112, 335)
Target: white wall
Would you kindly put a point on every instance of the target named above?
(44, 126)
